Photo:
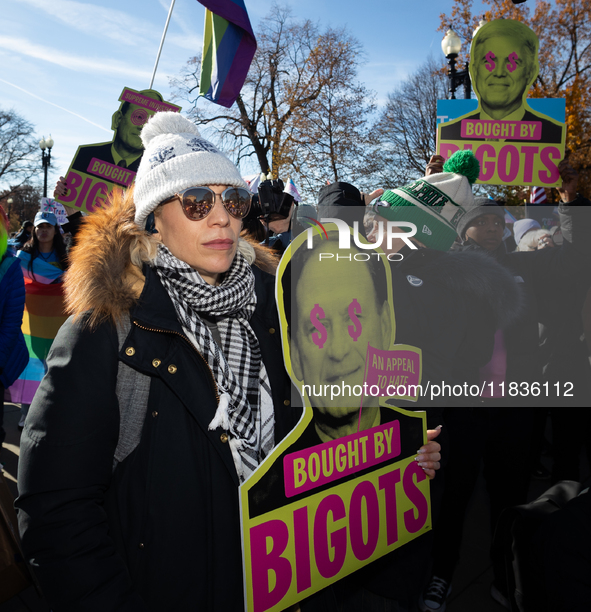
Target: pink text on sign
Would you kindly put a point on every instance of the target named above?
(395, 372)
(149, 103)
(318, 465)
(110, 172)
(506, 163)
(322, 537)
(502, 130)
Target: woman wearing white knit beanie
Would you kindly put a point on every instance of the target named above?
(162, 393)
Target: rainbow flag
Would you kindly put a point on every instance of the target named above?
(44, 315)
(228, 48)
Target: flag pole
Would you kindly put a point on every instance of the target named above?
(162, 43)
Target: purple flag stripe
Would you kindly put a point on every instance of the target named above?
(238, 68)
(233, 54)
(234, 12)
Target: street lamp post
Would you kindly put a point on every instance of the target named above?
(9, 203)
(45, 159)
(451, 46)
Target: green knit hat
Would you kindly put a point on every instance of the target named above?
(436, 203)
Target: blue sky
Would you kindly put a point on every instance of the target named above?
(63, 63)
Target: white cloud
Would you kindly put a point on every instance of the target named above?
(76, 62)
(101, 22)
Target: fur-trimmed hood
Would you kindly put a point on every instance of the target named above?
(102, 278)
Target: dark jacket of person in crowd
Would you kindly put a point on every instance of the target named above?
(14, 355)
(567, 556)
(463, 299)
(560, 268)
(13, 350)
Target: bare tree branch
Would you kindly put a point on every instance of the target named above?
(19, 151)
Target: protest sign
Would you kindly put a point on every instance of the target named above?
(518, 141)
(394, 371)
(52, 206)
(343, 488)
(97, 168)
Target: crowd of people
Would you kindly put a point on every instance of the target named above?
(166, 388)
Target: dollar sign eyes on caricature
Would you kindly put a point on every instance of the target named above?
(512, 65)
(355, 329)
(490, 61)
(319, 337)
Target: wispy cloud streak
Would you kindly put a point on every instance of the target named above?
(74, 62)
(101, 22)
(67, 110)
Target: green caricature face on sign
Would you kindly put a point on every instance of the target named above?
(97, 168)
(504, 66)
(340, 490)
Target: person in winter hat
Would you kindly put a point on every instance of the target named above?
(522, 227)
(530, 236)
(484, 225)
(164, 392)
(435, 204)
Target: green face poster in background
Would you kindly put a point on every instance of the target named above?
(515, 143)
(337, 493)
(97, 168)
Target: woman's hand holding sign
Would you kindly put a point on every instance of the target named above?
(61, 189)
(430, 454)
(435, 165)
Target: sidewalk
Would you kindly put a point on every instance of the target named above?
(472, 580)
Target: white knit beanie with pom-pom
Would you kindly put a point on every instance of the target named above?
(177, 157)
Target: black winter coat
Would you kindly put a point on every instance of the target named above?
(547, 279)
(450, 305)
(161, 532)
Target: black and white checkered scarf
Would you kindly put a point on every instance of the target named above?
(245, 409)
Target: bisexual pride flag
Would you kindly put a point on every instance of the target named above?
(228, 48)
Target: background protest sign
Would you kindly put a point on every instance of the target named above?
(517, 141)
(97, 168)
(52, 206)
(322, 506)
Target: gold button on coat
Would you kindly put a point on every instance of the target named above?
(130, 351)
(286, 402)
(224, 437)
(172, 368)
(271, 330)
(155, 413)
(156, 362)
